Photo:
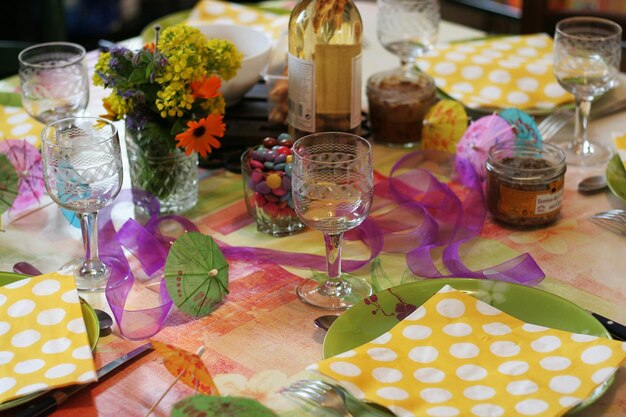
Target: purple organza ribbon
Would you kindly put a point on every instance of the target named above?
(413, 213)
(150, 247)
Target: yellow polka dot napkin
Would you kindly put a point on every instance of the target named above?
(458, 356)
(43, 339)
(502, 72)
(15, 123)
(212, 11)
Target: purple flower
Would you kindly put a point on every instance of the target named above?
(140, 117)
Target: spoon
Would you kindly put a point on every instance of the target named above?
(593, 184)
(324, 322)
(105, 321)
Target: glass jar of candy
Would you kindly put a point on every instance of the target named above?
(266, 171)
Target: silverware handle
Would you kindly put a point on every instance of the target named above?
(617, 330)
(40, 407)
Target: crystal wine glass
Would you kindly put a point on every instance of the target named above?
(332, 188)
(82, 166)
(408, 28)
(54, 80)
(587, 54)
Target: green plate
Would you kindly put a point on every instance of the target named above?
(91, 324)
(616, 177)
(358, 325)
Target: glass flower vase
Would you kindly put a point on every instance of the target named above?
(163, 171)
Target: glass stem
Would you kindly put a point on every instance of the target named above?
(89, 229)
(581, 145)
(334, 286)
(408, 64)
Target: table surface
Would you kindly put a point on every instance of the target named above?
(262, 337)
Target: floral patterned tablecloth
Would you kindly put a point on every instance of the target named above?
(262, 337)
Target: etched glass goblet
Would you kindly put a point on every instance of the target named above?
(587, 54)
(82, 165)
(408, 29)
(332, 189)
(54, 81)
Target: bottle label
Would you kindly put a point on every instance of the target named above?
(301, 93)
(330, 85)
(337, 75)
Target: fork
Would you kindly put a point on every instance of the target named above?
(552, 124)
(614, 220)
(317, 393)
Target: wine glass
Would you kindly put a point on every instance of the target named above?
(587, 54)
(82, 166)
(332, 188)
(54, 80)
(408, 28)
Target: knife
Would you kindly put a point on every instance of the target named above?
(615, 329)
(46, 404)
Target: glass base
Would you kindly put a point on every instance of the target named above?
(89, 279)
(591, 154)
(349, 291)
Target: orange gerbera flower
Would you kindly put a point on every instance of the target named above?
(200, 135)
(206, 87)
(150, 47)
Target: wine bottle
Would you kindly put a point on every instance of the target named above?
(324, 67)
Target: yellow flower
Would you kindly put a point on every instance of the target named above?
(115, 107)
(102, 66)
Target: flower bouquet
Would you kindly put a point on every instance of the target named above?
(169, 95)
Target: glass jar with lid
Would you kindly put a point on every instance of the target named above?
(525, 182)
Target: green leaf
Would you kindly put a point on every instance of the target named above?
(138, 76)
(149, 69)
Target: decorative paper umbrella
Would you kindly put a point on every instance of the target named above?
(186, 367)
(196, 274)
(479, 137)
(444, 125)
(523, 124)
(26, 161)
(202, 405)
(8, 184)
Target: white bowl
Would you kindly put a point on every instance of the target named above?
(255, 47)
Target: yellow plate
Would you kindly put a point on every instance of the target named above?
(91, 324)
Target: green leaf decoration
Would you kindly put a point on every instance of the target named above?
(9, 184)
(196, 274)
(210, 406)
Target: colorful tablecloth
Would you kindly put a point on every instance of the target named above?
(262, 337)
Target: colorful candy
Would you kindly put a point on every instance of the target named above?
(269, 177)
